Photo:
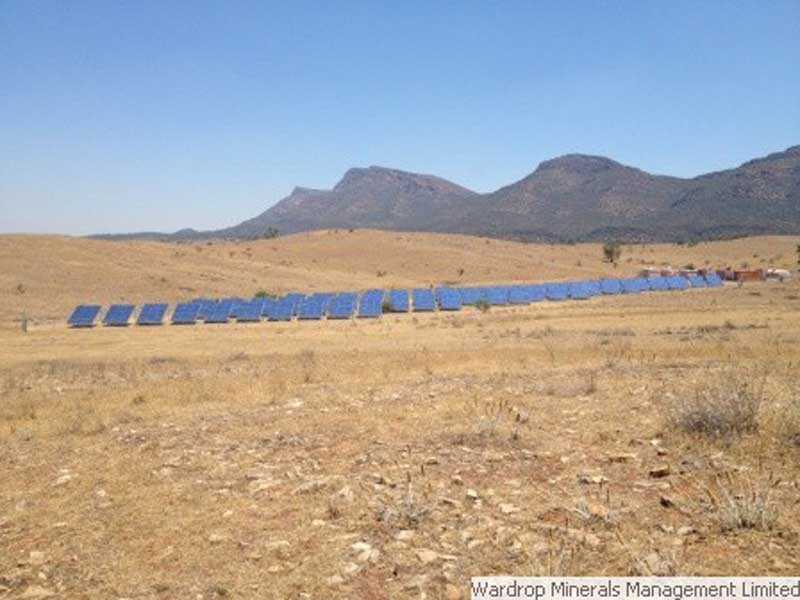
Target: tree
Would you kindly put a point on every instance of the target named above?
(270, 233)
(612, 251)
(798, 255)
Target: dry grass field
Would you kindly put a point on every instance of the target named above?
(651, 434)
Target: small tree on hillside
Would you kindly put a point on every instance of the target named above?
(798, 255)
(612, 251)
(270, 233)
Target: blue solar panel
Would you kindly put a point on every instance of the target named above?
(249, 312)
(118, 315)
(676, 282)
(556, 291)
(538, 292)
(283, 309)
(497, 295)
(371, 304)
(220, 312)
(423, 300)
(630, 286)
(84, 315)
(471, 295)
(519, 294)
(267, 306)
(579, 290)
(238, 304)
(185, 313)
(398, 300)
(658, 284)
(205, 306)
(610, 286)
(697, 281)
(342, 305)
(713, 280)
(448, 298)
(152, 314)
(314, 306)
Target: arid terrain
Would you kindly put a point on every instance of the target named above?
(650, 434)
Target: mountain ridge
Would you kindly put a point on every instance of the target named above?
(572, 197)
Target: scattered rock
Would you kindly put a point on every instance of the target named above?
(593, 479)
(660, 471)
(310, 487)
(621, 457)
(656, 565)
(37, 591)
(427, 556)
(335, 580)
(472, 494)
(685, 530)
(666, 501)
(507, 509)
(62, 480)
(405, 535)
(216, 538)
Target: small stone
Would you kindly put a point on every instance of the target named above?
(659, 471)
(216, 538)
(62, 480)
(405, 535)
(598, 511)
(472, 494)
(621, 457)
(431, 461)
(507, 509)
(427, 556)
(666, 501)
(37, 591)
(596, 479)
(36, 558)
(335, 580)
(456, 480)
(350, 568)
(685, 530)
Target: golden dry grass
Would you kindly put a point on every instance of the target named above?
(255, 461)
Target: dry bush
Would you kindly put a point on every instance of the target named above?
(727, 406)
(744, 504)
(789, 420)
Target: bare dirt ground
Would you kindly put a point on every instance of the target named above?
(395, 458)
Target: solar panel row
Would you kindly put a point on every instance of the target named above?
(343, 305)
(371, 304)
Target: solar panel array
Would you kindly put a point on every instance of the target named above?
(342, 306)
(152, 314)
(84, 315)
(345, 305)
(371, 304)
(398, 300)
(448, 298)
(423, 300)
(118, 315)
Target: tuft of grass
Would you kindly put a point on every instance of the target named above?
(745, 505)
(726, 407)
(483, 306)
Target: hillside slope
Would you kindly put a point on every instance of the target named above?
(573, 197)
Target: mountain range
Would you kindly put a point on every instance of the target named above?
(575, 197)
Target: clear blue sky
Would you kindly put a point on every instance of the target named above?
(123, 116)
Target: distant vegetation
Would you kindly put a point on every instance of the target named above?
(612, 251)
(270, 233)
